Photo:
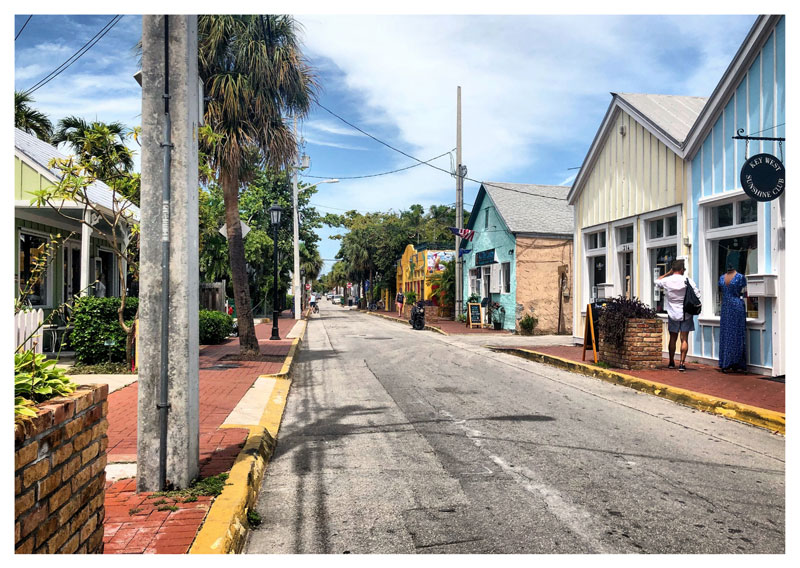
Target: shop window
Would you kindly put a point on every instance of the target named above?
(748, 211)
(626, 264)
(741, 253)
(660, 263)
(722, 216)
(32, 250)
(505, 277)
(664, 227)
(475, 281)
(596, 240)
(486, 219)
(597, 273)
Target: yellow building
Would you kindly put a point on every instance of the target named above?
(417, 265)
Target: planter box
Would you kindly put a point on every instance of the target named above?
(641, 348)
(59, 475)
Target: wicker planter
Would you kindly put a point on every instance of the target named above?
(641, 348)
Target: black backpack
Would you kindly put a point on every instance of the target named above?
(691, 303)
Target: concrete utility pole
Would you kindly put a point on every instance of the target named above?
(169, 255)
(296, 220)
(459, 211)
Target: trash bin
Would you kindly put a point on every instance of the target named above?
(349, 301)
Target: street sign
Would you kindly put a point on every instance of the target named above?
(223, 230)
(763, 177)
(308, 286)
(349, 284)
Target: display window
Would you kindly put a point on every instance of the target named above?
(32, 251)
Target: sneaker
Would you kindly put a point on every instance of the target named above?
(671, 365)
(682, 368)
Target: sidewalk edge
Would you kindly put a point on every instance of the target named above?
(226, 526)
(390, 318)
(753, 415)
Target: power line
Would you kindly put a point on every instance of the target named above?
(380, 174)
(23, 27)
(431, 165)
(77, 55)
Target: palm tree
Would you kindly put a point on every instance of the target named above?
(29, 119)
(98, 142)
(254, 74)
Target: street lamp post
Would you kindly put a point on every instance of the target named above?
(275, 217)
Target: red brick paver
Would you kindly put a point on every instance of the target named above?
(754, 390)
(133, 524)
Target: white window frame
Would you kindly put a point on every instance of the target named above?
(114, 292)
(590, 254)
(618, 278)
(505, 277)
(645, 270)
(708, 239)
(49, 276)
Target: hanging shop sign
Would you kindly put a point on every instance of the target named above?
(763, 177)
(484, 257)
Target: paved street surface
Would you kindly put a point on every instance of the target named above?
(401, 441)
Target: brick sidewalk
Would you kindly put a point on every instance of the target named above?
(133, 523)
(754, 390)
(447, 325)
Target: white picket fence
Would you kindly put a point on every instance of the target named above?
(25, 324)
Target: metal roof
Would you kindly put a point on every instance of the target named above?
(673, 114)
(529, 208)
(40, 153)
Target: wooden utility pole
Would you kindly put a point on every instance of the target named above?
(459, 210)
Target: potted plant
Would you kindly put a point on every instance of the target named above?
(630, 334)
(497, 314)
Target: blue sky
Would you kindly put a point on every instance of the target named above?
(534, 90)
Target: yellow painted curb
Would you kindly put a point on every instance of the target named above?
(225, 527)
(390, 318)
(761, 417)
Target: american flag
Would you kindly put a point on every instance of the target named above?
(465, 234)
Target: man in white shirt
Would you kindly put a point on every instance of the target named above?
(674, 285)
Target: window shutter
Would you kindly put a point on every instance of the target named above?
(495, 282)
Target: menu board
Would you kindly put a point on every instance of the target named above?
(474, 311)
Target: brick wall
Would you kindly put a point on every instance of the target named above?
(641, 348)
(59, 475)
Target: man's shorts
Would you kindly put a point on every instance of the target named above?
(674, 326)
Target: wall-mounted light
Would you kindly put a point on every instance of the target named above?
(511, 252)
(622, 130)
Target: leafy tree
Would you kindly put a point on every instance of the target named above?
(254, 74)
(29, 119)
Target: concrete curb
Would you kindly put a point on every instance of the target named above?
(225, 528)
(753, 415)
(390, 318)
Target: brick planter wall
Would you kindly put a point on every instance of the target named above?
(641, 348)
(59, 475)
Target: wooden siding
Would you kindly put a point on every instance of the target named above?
(27, 180)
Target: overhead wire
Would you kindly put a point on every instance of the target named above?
(77, 55)
(380, 174)
(431, 165)
(23, 27)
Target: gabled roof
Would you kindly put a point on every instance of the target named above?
(748, 51)
(527, 208)
(39, 153)
(667, 117)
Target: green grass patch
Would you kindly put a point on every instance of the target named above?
(167, 508)
(205, 487)
(253, 518)
(133, 511)
(602, 365)
(100, 369)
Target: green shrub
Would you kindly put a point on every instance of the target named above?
(527, 324)
(215, 327)
(35, 380)
(98, 337)
(410, 297)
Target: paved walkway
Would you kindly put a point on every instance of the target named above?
(133, 522)
(754, 390)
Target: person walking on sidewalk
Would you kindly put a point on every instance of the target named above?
(674, 285)
(399, 301)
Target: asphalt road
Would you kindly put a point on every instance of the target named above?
(402, 441)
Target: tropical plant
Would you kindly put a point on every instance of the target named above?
(612, 321)
(99, 144)
(527, 324)
(445, 284)
(410, 297)
(254, 74)
(29, 119)
(35, 380)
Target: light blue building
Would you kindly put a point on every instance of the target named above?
(521, 254)
(727, 226)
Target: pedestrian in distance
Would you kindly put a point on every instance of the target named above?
(399, 301)
(732, 321)
(674, 285)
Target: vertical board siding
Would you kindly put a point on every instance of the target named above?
(707, 351)
(768, 93)
(754, 347)
(754, 102)
(780, 77)
(718, 149)
(729, 131)
(767, 339)
(740, 146)
(632, 175)
(706, 154)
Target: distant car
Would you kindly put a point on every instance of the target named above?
(336, 298)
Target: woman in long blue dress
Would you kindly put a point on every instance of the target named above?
(732, 325)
